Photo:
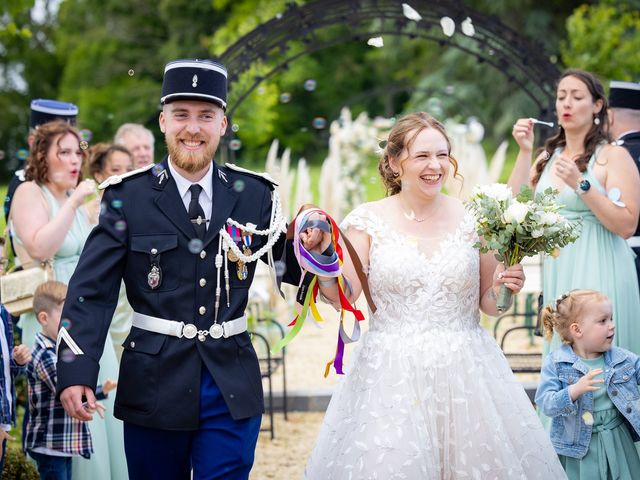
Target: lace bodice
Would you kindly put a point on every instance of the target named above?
(414, 292)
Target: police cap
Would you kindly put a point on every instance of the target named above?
(192, 79)
(624, 95)
(43, 111)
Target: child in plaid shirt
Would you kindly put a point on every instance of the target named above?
(53, 437)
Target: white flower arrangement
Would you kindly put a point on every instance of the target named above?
(519, 227)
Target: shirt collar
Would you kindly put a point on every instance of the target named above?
(45, 341)
(183, 184)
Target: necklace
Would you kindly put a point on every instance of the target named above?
(410, 215)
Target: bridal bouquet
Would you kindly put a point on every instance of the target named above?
(519, 227)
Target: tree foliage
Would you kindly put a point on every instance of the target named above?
(107, 57)
(604, 39)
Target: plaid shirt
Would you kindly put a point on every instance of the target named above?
(49, 426)
(8, 410)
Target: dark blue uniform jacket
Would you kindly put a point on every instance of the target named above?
(159, 380)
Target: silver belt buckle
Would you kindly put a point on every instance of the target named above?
(189, 331)
(216, 330)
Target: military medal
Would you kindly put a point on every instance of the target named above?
(154, 277)
(233, 233)
(231, 255)
(242, 270)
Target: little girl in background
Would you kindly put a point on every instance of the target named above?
(589, 388)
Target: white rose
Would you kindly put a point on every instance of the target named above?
(516, 211)
(537, 233)
(549, 218)
(498, 191)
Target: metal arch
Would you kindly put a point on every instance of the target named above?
(497, 63)
(517, 58)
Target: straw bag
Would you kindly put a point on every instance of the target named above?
(19, 283)
(18, 286)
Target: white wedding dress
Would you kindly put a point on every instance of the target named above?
(429, 394)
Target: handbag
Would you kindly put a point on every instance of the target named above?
(18, 284)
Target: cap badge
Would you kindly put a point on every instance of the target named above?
(194, 81)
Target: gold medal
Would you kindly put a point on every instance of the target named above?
(242, 270)
(231, 255)
(247, 251)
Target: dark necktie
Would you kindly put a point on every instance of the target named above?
(196, 214)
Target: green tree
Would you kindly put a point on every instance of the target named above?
(28, 70)
(604, 39)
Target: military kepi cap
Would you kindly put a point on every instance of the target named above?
(43, 111)
(624, 95)
(191, 79)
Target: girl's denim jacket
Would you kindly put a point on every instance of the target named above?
(570, 435)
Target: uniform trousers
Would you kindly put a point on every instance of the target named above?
(222, 448)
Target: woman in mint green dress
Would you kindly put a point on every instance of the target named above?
(598, 183)
(49, 220)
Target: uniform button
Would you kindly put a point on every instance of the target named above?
(203, 254)
(202, 310)
(628, 409)
(133, 344)
(154, 251)
(625, 378)
(203, 282)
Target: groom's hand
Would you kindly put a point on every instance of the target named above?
(72, 401)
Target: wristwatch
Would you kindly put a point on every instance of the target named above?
(583, 186)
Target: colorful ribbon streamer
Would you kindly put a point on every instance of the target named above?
(332, 268)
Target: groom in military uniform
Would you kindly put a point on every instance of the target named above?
(184, 236)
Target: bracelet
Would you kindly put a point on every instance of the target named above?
(329, 282)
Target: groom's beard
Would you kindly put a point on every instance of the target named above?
(191, 161)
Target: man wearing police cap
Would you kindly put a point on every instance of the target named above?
(42, 111)
(184, 236)
(624, 119)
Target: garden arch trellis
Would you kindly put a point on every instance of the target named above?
(313, 26)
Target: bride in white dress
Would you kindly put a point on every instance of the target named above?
(429, 394)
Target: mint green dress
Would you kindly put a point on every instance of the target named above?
(108, 460)
(612, 454)
(598, 260)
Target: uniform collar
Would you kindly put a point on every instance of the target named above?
(628, 132)
(183, 184)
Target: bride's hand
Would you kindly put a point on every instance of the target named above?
(513, 277)
(315, 239)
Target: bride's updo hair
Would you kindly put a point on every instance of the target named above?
(401, 137)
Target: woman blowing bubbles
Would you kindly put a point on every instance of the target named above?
(429, 394)
(598, 183)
